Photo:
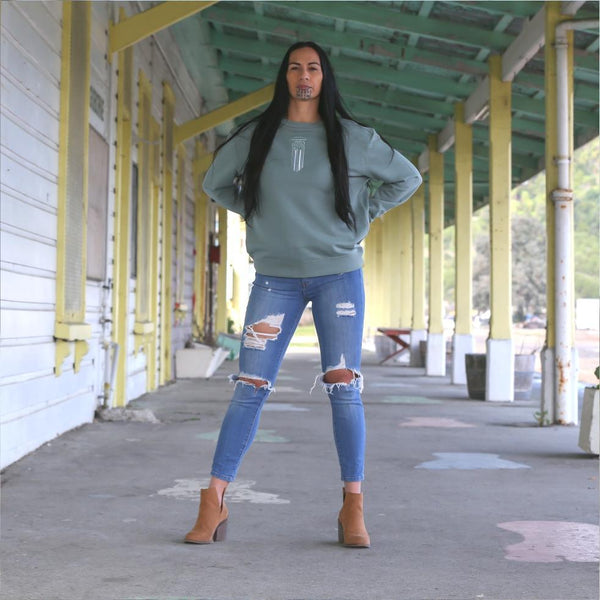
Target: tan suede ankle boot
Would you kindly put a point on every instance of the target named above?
(211, 524)
(351, 525)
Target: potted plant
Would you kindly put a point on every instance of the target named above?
(589, 431)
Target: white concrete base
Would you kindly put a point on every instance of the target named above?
(435, 363)
(416, 337)
(500, 371)
(549, 385)
(589, 433)
(461, 344)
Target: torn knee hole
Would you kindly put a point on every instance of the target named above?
(257, 383)
(339, 376)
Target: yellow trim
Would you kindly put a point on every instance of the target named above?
(201, 236)
(203, 163)
(436, 237)
(166, 301)
(73, 331)
(81, 349)
(418, 256)
(69, 324)
(181, 200)
(129, 31)
(122, 235)
(391, 279)
(221, 318)
(225, 113)
(500, 185)
(405, 271)
(463, 168)
(143, 329)
(154, 256)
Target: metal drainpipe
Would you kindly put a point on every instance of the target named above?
(563, 218)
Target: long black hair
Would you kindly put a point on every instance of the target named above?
(267, 123)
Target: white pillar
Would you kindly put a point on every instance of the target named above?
(500, 374)
(436, 354)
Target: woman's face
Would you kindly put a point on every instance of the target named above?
(304, 74)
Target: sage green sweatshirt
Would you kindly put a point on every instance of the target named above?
(297, 232)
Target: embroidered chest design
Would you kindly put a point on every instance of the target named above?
(298, 148)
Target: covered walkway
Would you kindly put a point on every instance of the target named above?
(464, 499)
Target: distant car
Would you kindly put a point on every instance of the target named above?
(534, 323)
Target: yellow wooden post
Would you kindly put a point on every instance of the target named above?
(180, 229)
(122, 220)
(462, 342)
(201, 235)
(70, 330)
(389, 292)
(500, 371)
(144, 328)
(405, 271)
(436, 346)
(418, 331)
(221, 318)
(166, 295)
(154, 255)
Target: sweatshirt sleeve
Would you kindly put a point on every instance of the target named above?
(397, 176)
(228, 165)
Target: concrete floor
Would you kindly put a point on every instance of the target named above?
(464, 499)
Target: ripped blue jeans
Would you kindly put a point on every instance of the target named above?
(274, 309)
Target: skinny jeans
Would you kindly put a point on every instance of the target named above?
(277, 303)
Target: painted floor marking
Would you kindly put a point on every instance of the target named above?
(262, 435)
(553, 541)
(469, 461)
(237, 491)
(434, 422)
(409, 400)
(280, 406)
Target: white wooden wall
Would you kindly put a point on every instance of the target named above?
(35, 405)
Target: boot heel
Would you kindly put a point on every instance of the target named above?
(220, 532)
(340, 533)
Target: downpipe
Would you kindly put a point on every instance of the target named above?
(565, 389)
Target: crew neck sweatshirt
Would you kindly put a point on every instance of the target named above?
(296, 232)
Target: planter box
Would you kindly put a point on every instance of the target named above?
(589, 432)
(475, 366)
(199, 361)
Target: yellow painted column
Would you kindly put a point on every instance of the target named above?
(200, 251)
(418, 331)
(390, 270)
(154, 254)
(436, 345)
(462, 342)
(405, 271)
(369, 278)
(221, 318)
(120, 308)
(166, 288)
(500, 371)
(144, 328)
(71, 332)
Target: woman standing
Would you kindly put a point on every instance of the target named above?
(302, 175)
